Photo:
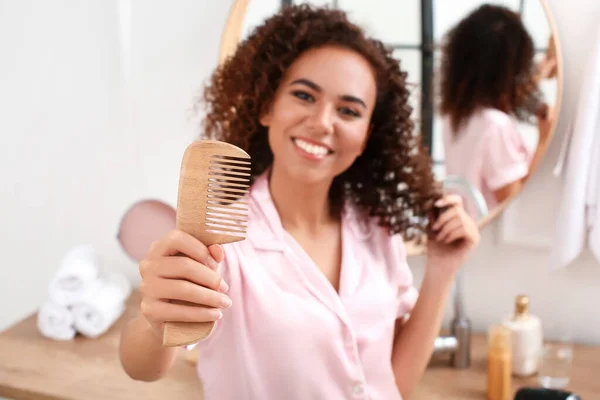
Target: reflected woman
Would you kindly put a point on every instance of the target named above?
(488, 83)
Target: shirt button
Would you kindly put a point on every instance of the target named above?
(358, 390)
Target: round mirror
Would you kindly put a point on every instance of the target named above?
(486, 83)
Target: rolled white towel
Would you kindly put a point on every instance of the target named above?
(101, 309)
(78, 275)
(55, 321)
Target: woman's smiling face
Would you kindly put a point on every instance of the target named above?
(319, 119)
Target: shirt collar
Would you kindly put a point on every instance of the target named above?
(265, 231)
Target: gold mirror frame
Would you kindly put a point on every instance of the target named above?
(233, 32)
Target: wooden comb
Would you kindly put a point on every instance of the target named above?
(213, 179)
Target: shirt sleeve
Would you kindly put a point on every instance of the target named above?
(505, 156)
(403, 277)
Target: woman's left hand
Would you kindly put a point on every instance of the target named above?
(455, 235)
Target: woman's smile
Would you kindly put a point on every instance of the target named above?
(311, 149)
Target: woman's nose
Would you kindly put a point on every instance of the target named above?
(322, 119)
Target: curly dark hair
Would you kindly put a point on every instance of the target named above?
(488, 61)
(392, 179)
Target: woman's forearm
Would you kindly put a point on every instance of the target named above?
(413, 346)
(141, 352)
(540, 149)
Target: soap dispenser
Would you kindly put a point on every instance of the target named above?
(527, 338)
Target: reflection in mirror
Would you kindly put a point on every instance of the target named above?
(494, 117)
(485, 79)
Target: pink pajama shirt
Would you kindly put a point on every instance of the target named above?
(289, 334)
(488, 151)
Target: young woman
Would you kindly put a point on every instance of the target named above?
(488, 81)
(315, 303)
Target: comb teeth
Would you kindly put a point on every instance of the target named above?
(227, 165)
(223, 182)
(228, 183)
(228, 219)
(217, 189)
(230, 160)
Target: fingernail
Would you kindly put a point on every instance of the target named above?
(217, 314)
(225, 302)
(212, 263)
(439, 203)
(223, 287)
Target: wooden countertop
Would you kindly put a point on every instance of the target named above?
(33, 367)
(445, 383)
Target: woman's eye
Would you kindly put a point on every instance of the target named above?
(350, 112)
(303, 95)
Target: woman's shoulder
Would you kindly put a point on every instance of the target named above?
(387, 252)
(368, 230)
(484, 122)
(493, 117)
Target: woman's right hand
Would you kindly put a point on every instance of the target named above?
(180, 269)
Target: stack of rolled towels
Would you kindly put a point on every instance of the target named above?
(82, 297)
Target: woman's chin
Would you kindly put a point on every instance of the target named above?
(303, 175)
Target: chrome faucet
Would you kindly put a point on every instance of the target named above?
(458, 344)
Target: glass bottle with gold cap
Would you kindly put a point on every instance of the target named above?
(527, 338)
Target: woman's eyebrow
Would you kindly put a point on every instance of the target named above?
(306, 82)
(317, 88)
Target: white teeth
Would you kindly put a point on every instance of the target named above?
(311, 148)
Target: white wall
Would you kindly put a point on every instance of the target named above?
(72, 157)
(74, 160)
